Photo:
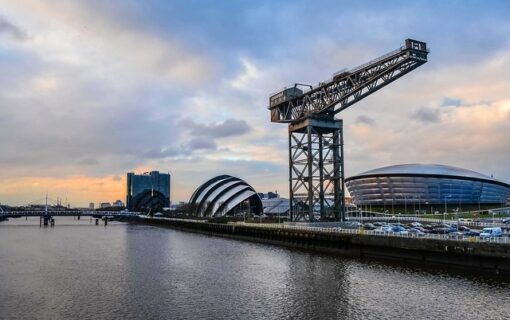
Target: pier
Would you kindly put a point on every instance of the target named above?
(471, 254)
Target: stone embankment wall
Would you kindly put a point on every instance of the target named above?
(476, 256)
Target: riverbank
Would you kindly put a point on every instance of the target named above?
(478, 257)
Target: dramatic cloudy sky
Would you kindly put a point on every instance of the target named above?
(93, 89)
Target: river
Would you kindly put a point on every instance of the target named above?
(78, 270)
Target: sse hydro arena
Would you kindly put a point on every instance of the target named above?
(411, 188)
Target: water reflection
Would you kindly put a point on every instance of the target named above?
(81, 271)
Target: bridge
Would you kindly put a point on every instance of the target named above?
(65, 213)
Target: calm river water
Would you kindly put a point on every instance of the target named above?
(77, 270)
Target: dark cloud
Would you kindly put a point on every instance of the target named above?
(202, 143)
(10, 29)
(228, 128)
(426, 115)
(362, 119)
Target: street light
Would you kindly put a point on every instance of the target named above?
(445, 208)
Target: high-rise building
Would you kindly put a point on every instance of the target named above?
(91, 206)
(148, 190)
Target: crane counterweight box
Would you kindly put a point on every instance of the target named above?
(284, 95)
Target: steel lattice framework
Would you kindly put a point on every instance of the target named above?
(316, 177)
(348, 86)
(316, 161)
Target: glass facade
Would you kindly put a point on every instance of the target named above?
(154, 180)
(426, 184)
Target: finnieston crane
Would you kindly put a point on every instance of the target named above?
(316, 157)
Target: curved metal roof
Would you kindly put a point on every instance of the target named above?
(220, 194)
(435, 170)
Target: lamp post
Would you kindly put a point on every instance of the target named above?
(445, 208)
(414, 206)
(405, 203)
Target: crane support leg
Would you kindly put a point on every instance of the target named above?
(316, 169)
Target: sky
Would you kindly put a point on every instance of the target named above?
(91, 90)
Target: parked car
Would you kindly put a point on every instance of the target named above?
(398, 225)
(384, 229)
(369, 226)
(465, 220)
(416, 224)
(441, 230)
(416, 231)
(491, 232)
(471, 233)
(463, 228)
(421, 229)
(399, 230)
(505, 220)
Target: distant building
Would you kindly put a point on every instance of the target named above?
(148, 191)
(269, 195)
(118, 203)
(104, 205)
(91, 206)
(424, 187)
(225, 196)
(276, 206)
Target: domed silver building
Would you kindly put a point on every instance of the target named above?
(225, 196)
(421, 186)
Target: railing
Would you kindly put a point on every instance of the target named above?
(70, 212)
(430, 220)
(460, 238)
(373, 61)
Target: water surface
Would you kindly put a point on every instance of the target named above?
(77, 270)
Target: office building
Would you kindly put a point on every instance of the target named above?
(148, 191)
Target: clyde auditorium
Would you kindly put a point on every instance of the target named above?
(225, 196)
(423, 186)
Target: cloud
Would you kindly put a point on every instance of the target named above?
(426, 115)
(12, 30)
(228, 128)
(246, 78)
(364, 119)
(202, 143)
(79, 33)
(451, 102)
(88, 162)
(164, 153)
(102, 88)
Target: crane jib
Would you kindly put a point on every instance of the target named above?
(347, 86)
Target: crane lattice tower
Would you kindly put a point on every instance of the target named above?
(316, 157)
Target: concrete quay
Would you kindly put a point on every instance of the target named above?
(471, 255)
